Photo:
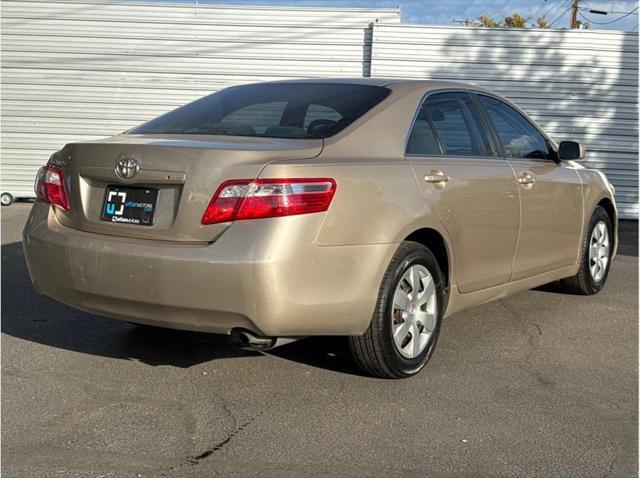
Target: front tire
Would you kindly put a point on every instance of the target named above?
(595, 257)
(405, 325)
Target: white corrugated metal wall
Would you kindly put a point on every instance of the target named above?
(84, 69)
(578, 84)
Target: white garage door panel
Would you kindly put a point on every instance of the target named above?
(188, 13)
(88, 69)
(161, 49)
(87, 80)
(499, 54)
(79, 111)
(169, 64)
(579, 85)
(453, 70)
(265, 33)
(562, 90)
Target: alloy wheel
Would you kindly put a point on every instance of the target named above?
(599, 246)
(414, 311)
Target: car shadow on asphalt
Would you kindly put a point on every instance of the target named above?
(628, 238)
(30, 316)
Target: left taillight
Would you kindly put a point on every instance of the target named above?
(50, 187)
(240, 199)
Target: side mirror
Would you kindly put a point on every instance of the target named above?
(571, 151)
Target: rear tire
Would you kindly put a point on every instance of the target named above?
(595, 257)
(405, 325)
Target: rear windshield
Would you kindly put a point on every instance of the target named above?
(285, 110)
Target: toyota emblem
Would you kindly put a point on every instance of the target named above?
(127, 168)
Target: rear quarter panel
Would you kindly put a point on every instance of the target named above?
(377, 204)
(376, 200)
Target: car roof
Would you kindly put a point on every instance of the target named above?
(407, 83)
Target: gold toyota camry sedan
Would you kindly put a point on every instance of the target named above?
(366, 208)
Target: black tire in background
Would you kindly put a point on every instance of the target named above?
(375, 351)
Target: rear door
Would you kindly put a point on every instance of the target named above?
(468, 187)
(550, 193)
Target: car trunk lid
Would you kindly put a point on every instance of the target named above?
(185, 171)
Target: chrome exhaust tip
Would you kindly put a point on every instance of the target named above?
(247, 340)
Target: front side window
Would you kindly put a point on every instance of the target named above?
(519, 137)
(449, 124)
(277, 110)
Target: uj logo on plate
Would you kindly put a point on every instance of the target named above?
(115, 200)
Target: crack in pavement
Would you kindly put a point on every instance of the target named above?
(537, 327)
(194, 460)
(219, 446)
(611, 465)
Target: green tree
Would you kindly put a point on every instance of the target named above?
(514, 21)
(483, 21)
(542, 22)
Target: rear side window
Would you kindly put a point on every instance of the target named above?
(423, 138)
(279, 110)
(449, 124)
(519, 137)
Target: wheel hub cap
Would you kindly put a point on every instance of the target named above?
(414, 311)
(599, 247)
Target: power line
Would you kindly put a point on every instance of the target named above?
(612, 21)
(562, 14)
(535, 14)
(624, 13)
(553, 8)
(486, 9)
(589, 9)
(501, 7)
(467, 7)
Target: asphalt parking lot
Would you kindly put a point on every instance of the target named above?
(539, 384)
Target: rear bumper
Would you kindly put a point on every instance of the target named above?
(267, 276)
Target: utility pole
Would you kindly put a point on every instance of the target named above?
(574, 13)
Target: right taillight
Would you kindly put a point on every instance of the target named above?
(50, 187)
(262, 198)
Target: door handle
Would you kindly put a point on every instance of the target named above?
(436, 177)
(527, 179)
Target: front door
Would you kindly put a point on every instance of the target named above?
(468, 187)
(550, 194)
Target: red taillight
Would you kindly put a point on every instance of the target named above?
(50, 187)
(261, 198)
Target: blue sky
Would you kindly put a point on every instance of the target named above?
(444, 12)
